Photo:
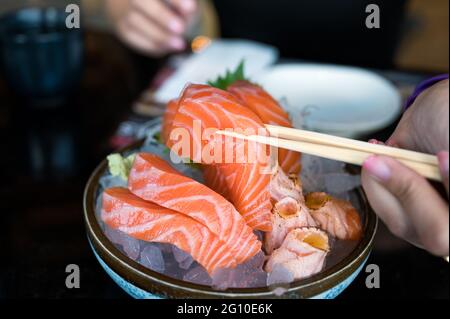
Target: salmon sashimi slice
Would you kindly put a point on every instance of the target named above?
(214, 109)
(248, 190)
(124, 211)
(169, 115)
(338, 217)
(270, 112)
(247, 184)
(153, 179)
(215, 180)
(302, 253)
(288, 214)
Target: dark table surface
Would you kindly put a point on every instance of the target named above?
(47, 156)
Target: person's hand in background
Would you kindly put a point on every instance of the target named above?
(410, 206)
(153, 27)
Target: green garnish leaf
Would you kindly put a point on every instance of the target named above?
(120, 166)
(223, 82)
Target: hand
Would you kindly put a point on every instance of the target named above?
(407, 203)
(153, 27)
(425, 127)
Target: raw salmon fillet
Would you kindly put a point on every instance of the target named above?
(270, 112)
(215, 180)
(153, 179)
(147, 221)
(337, 217)
(246, 186)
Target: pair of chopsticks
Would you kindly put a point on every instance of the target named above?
(341, 149)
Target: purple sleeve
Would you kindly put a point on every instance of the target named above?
(422, 87)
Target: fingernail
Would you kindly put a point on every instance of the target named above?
(188, 6)
(443, 161)
(176, 26)
(376, 167)
(177, 43)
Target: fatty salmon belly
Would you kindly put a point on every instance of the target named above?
(288, 214)
(247, 180)
(337, 217)
(153, 179)
(270, 112)
(169, 114)
(302, 253)
(146, 221)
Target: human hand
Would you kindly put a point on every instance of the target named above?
(425, 127)
(410, 207)
(153, 27)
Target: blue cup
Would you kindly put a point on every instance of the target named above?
(42, 59)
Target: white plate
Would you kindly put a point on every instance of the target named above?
(339, 100)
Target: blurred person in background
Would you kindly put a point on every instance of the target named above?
(299, 29)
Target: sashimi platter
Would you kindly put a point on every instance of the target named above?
(191, 213)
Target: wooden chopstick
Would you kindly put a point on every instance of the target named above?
(339, 153)
(325, 139)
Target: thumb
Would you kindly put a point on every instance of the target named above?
(427, 210)
(443, 166)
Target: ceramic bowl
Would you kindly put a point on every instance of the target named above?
(141, 282)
